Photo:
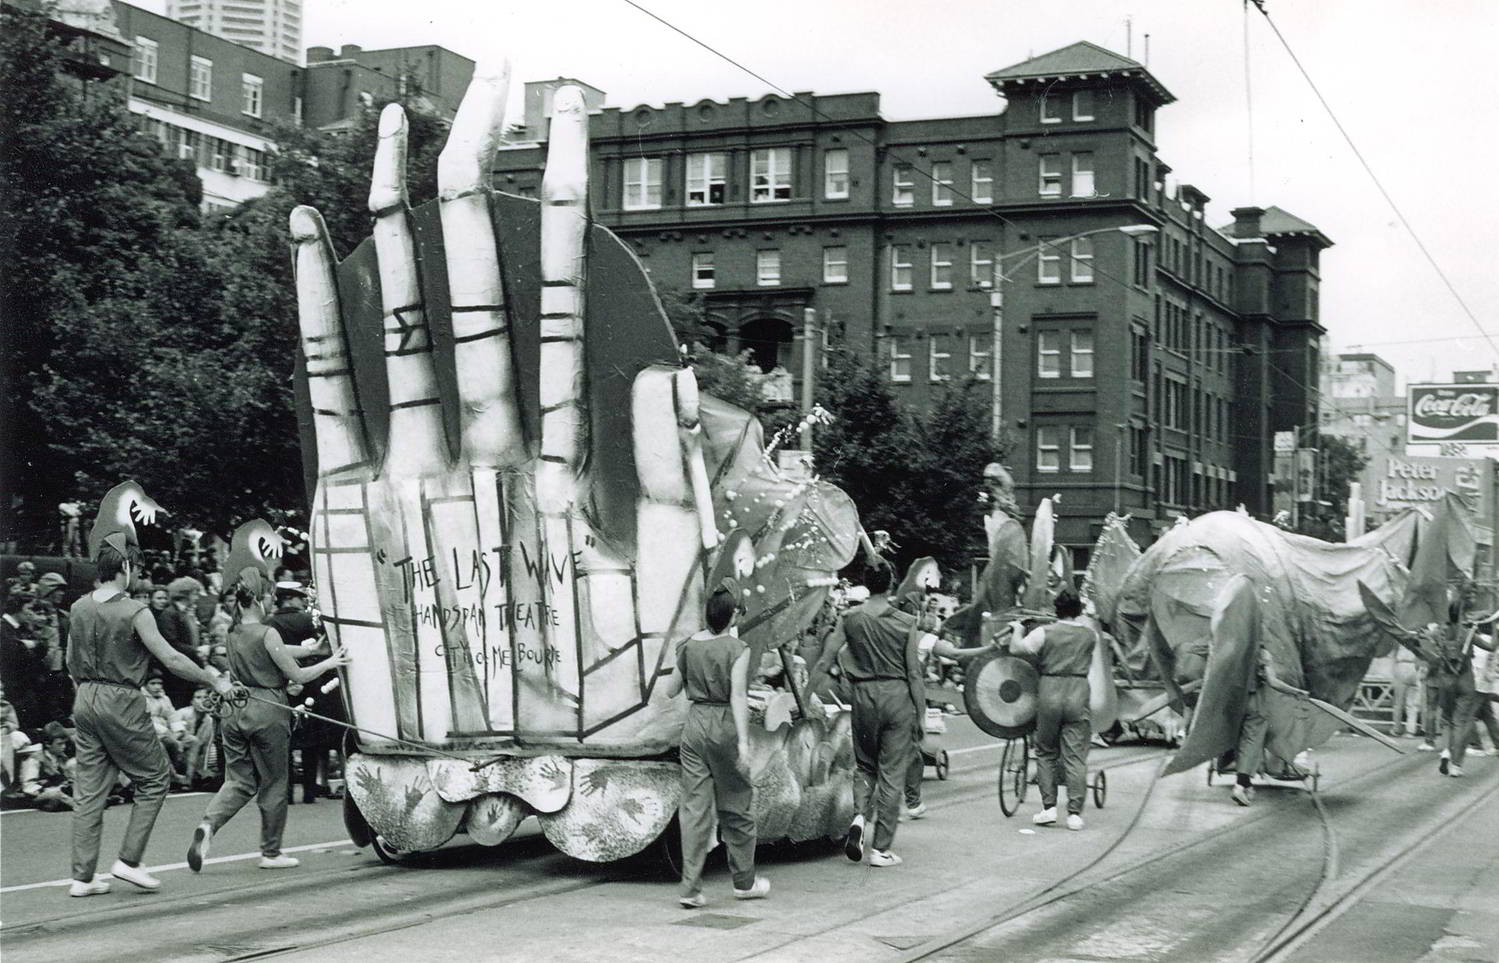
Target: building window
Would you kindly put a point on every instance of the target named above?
(1080, 450)
(702, 270)
(1051, 108)
(1082, 260)
(146, 57)
(1082, 105)
(252, 164)
(900, 267)
(942, 267)
(705, 179)
(939, 356)
(905, 186)
(1048, 263)
(220, 152)
(835, 265)
(900, 362)
(1142, 263)
(980, 356)
(768, 268)
(980, 264)
(1049, 354)
(1082, 354)
(1082, 175)
(835, 175)
(942, 183)
(642, 183)
(191, 147)
(252, 90)
(1048, 449)
(200, 79)
(981, 186)
(1051, 175)
(770, 175)
(1142, 179)
(1144, 115)
(1139, 355)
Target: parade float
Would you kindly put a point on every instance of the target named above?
(518, 495)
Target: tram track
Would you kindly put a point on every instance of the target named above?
(1299, 920)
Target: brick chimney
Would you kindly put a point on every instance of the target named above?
(1247, 221)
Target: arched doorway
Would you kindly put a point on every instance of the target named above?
(769, 341)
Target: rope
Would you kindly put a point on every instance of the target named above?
(221, 706)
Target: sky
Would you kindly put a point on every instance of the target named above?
(1412, 82)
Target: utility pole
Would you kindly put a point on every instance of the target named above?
(997, 303)
(811, 341)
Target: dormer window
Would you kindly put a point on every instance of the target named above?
(1082, 105)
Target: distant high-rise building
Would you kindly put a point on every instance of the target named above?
(271, 26)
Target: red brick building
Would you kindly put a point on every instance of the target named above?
(1143, 370)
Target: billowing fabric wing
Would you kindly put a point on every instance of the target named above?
(1002, 575)
(1234, 628)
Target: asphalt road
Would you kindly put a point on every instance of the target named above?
(1216, 882)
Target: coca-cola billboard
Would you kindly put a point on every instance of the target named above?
(1448, 414)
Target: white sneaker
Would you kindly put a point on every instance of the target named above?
(1046, 817)
(1426, 747)
(758, 890)
(695, 901)
(279, 862)
(853, 843)
(883, 857)
(1456, 772)
(1242, 794)
(1074, 822)
(1479, 752)
(198, 851)
(917, 811)
(135, 876)
(95, 887)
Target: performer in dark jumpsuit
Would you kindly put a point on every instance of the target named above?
(713, 667)
(1064, 652)
(112, 638)
(257, 737)
(889, 702)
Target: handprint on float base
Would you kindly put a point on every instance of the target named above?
(510, 505)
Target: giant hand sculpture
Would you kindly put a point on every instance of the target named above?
(513, 514)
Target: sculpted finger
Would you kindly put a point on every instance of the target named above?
(416, 443)
(491, 423)
(564, 223)
(338, 422)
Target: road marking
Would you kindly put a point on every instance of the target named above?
(967, 749)
(175, 795)
(172, 866)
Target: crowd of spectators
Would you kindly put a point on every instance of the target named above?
(36, 693)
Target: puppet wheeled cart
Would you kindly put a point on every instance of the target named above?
(1309, 776)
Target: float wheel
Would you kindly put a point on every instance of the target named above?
(942, 765)
(1100, 788)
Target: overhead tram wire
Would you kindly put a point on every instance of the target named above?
(1420, 244)
(907, 161)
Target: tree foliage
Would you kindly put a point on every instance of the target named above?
(1338, 465)
(915, 475)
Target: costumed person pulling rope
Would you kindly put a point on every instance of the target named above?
(257, 738)
(111, 640)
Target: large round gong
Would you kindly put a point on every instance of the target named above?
(1000, 694)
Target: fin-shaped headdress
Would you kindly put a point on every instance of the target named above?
(252, 554)
(118, 512)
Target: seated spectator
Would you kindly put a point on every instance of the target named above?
(47, 772)
(23, 581)
(11, 739)
(218, 660)
(162, 711)
(196, 728)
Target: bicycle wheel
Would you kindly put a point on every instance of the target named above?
(1014, 775)
(1100, 788)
